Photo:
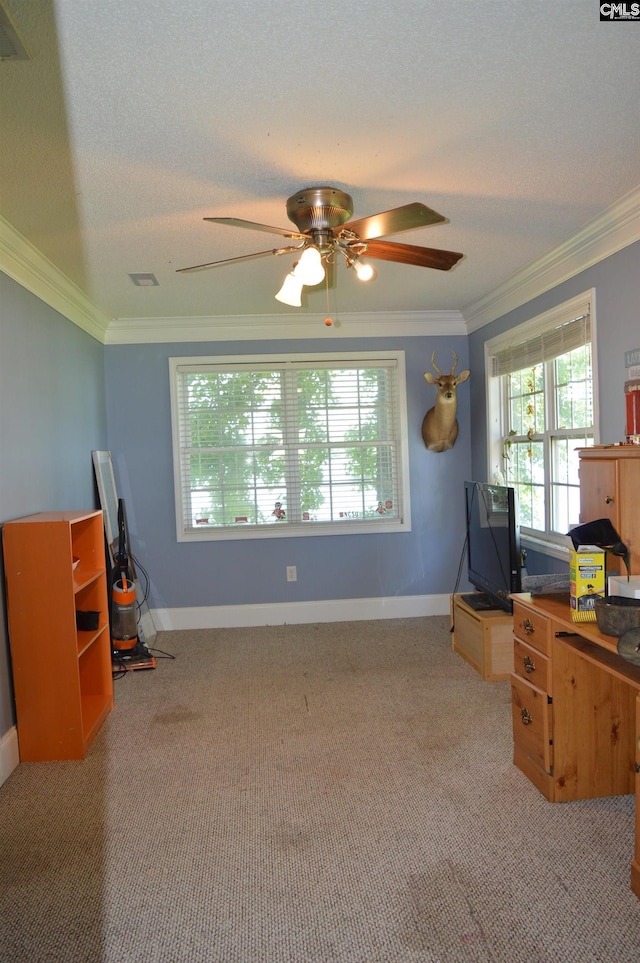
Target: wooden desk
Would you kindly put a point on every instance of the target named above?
(575, 708)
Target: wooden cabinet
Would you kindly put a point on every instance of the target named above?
(609, 487)
(56, 581)
(483, 639)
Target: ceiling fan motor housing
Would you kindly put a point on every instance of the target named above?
(319, 209)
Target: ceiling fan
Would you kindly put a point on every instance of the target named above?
(321, 216)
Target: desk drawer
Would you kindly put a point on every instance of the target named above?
(531, 665)
(532, 628)
(531, 717)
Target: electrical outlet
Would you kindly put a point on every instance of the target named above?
(292, 573)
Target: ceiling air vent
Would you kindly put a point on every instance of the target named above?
(144, 280)
(11, 46)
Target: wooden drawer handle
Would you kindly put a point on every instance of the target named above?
(527, 719)
(608, 499)
(529, 664)
(528, 626)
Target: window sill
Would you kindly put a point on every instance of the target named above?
(288, 530)
(547, 547)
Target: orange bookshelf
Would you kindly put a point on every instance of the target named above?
(61, 675)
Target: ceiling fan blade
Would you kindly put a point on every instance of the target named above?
(405, 218)
(428, 257)
(254, 226)
(241, 257)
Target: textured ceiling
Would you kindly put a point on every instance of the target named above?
(134, 119)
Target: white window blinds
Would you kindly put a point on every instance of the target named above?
(561, 337)
(298, 446)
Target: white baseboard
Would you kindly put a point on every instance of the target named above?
(9, 753)
(297, 613)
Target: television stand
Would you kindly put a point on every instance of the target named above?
(479, 602)
(483, 637)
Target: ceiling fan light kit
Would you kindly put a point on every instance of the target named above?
(321, 216)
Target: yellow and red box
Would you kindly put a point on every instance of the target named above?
(587, 578)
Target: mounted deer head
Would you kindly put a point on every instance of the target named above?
(440, 424)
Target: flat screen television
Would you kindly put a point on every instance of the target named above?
(493, 544)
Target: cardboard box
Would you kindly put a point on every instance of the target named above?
(620, 585)
(587, 581)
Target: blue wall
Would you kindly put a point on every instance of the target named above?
(421, 562)
(617, 285)
(52, 414)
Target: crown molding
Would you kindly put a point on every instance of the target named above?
(613, 230)
(20, 260)
(277, 327)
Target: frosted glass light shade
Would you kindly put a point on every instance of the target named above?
(290, 291)
(309, 268)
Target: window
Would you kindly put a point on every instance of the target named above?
(541, 409)
(289, 445)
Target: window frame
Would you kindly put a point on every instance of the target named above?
(551, 543)
(395, 359)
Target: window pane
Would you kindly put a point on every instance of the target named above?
(526, 401)
(562, 488)
(531, 505)
(268, 448)
(526, 475)
(574, 400)
(565, 481)
(349, 483)
(565, 507)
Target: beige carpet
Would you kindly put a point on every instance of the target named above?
(309, 793)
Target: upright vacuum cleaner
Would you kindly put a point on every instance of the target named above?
(127, 650)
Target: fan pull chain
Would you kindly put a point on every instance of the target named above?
(328, 320)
